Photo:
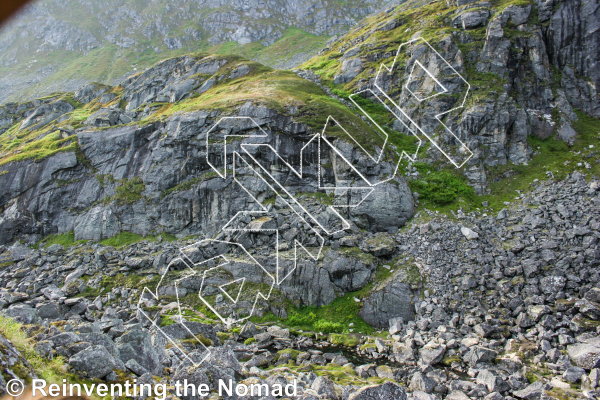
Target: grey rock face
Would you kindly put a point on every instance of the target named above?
(158, 161)
(22, 313)
(578, 16)
(347, 273)
(585, 355)
(393, 300)
(137, 345)
(478, 354)
(95, 361)
(422, 383)
(471, 19)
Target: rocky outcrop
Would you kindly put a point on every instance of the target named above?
(155, 176)
(12, 364)
(534, 64)
(572, 36)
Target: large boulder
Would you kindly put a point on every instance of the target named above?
(95, 362)
(387, 208)
(137, 345)
(585, 355)
(392, 301)
(22, 313)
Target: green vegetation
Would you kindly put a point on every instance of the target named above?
(199, 338)
(223, 336)
(166, 320)
(64, 239)
(103, 179)
(292, 352)
(249, 341)
(53, 371)
(129, 190)
(550, 156)
(19, 149)
(190, 183)
(343, 340)
(321, 197)
(334, 317)
(293, 41)
(440, 187)
(127, 238)
(122, 239)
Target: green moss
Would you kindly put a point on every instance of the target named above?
(53, 371)
(64, 239)
(166, 320)
(190, 183)
(448, 360)
(531, 377)
(82, 159)
(199, 338)
(223, 336)
(103, 179)
(122, 239)
(293, 352)
(339, 374)
(412, 273)
(321, 197)
(440, 187)
(368, 345)
(343, 340)
(249, 341)
(357, 254)
(129, 190)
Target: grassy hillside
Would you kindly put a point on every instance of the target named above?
(55, 43)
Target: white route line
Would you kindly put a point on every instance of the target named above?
(382, 68)
(155, 296)
(248, 162)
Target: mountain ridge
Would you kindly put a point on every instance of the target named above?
(54, 45)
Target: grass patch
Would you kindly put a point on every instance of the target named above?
(53, 371)
(440, 187)
(129, 190)
(334, 317)
(122, 239)
(19, 150)
(63, 239)
(343, 340)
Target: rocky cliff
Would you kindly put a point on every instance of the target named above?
(144, 167)
(529, 65)
(472, 282)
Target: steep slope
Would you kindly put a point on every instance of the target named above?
(134, 157)
(486, 296)
(532, 67)
(57, 45)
